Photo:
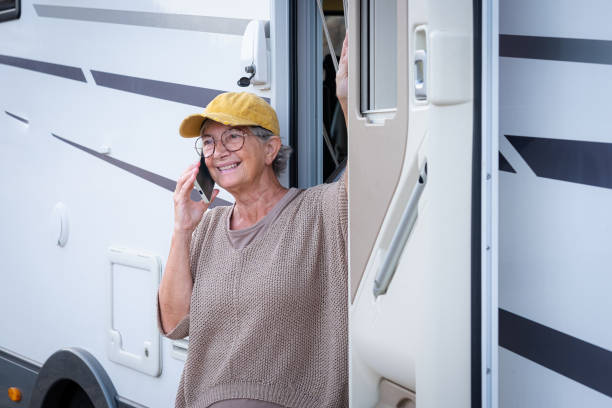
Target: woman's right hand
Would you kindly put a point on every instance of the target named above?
(342, 76)
(188, 213)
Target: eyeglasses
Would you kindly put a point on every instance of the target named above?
(232, 139)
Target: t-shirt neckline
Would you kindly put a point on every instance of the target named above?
(258, 228)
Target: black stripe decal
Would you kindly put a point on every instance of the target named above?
(190, 95)
(576, 161)
(170, 91)
(156, 179)
(504, 165)
(19, 118)
(556, 49)
(569, 356)
(63, 71)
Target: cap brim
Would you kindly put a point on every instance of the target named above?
(190, 127)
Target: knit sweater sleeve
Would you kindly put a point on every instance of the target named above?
(335, 204)
(195, 247)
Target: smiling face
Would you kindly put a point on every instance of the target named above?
(243, 169)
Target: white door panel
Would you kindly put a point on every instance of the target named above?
(417, 334)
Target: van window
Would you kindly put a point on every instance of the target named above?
(334, 139)
(9, 9)
(378, 55)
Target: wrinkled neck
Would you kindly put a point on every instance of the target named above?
(255, 203)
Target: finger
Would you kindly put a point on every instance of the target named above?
(179, 183)
(188, 184)
(188, 171)
(181, 180)
(185, 175)
(344, 54)
(192, 166)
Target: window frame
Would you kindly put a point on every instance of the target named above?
(12, 13)
(368, 78)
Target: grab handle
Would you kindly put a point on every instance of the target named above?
(385, 273)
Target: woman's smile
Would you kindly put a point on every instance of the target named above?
(227, 167)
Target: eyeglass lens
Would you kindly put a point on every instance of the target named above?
(232, 139)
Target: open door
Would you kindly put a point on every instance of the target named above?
(414, 203)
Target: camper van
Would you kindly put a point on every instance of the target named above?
(479, 155)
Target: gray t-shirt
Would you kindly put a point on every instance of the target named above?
(242, 237)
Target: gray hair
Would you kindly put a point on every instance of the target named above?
(280, 161)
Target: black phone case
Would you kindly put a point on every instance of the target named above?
(205, 180)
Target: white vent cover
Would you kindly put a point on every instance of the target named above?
(134, 340)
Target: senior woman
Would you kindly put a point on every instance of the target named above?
(259, 287)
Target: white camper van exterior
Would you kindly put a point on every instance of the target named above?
(555, 195)
(92, 95)
(479, 184)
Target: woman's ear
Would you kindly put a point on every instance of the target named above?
(273, 145)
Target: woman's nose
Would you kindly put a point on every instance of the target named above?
(220, 150)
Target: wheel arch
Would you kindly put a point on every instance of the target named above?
(80, 367)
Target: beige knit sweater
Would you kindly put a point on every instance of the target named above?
(269, 321)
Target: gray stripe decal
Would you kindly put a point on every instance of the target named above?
(220, 25)
(63, 71)
(170, 91)
(142, 173)
(190, 95)
(19, 118)
(20, 361)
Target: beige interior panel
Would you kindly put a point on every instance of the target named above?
(376, 151)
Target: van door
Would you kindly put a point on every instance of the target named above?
(414, 203)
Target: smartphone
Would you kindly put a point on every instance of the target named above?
(204, 182)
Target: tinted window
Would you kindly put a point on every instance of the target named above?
(378, 55)
(9, 9)
(7, 5)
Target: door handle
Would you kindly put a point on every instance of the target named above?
(420, 72)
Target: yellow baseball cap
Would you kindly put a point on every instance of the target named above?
(233, 109)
